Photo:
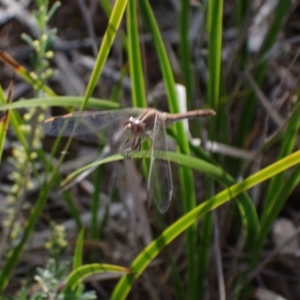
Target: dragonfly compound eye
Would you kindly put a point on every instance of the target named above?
(134, 127)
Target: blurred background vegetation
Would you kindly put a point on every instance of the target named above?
(231, 231)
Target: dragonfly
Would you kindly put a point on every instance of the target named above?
(129, 128)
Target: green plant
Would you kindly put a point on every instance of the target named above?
(222, 173)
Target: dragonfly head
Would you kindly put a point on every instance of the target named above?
(134, 127)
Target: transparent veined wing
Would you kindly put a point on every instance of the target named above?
(90, 126)
(160, 186)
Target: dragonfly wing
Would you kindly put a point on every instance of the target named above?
(89, 125)
(160, 186)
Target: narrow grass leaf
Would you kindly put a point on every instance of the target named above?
(280, 185)
(77, 259)
(62, 101)
(76, 277)
(245, 205)
(185, 50)
(95, 227)
(250, 103)
(186, 176)
(134, 55)
(288, 143)
(4, 120)
(214, 28)
(152, 250)
(108, 39)
(29, 77)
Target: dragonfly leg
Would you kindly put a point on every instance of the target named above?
(151, 142)
(149, 139)
(137, 144)
(125, 148)
(131, 146)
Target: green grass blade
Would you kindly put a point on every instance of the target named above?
(245, 206)
(77, 259)
(186, 176)
(287, 146)
(279, 188)
(185, 51)
(206, 233)
(29, 77)
(4, 119)
(62, 101)
(242, 8)
(73, 209)
(214, 28)
(95, 227)
(290, 183)
(250, 103)
(106, 5)
(108, 39)
(15, 121)
(77, 276)
(135, 61)
(152, 250)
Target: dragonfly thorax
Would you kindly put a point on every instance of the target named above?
(134, 127)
